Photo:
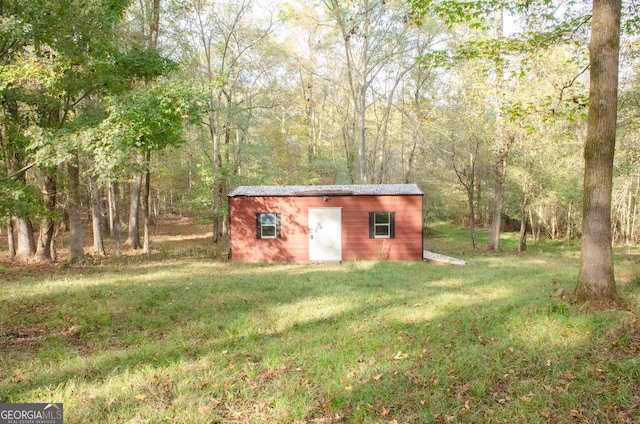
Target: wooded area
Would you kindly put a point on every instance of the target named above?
(113, 113)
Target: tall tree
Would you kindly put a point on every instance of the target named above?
(369, 33)
(596, 280)
(14, 40)
(225, 34)
(152, 44)
(502, 141)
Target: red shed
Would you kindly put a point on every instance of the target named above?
(326, 223)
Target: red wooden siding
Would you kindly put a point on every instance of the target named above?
(294, 245)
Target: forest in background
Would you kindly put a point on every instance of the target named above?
(113, 113)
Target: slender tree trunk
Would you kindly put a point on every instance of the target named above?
(480, 212)
(569, 234)
(110, 201)
(47, 224)
(96, 217)
(522, 239)
(114, 188)
(215, 137)
(11, 241)
(362, 148)
(224, 181)
(54, 247)
(540, 223)
(500, 173)
(154, 24)
(627, 219)
(472, 215)
(348, 152)
(76, 248)
(134, 221)
(596, 279)
(146, 207)
(635, 207)
(501, 149)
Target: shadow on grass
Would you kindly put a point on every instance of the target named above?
(196, 341)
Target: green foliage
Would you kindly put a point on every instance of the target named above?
(139, 64)
(149, 118)
(19, 199)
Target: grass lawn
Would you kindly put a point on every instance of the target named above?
(196, 340)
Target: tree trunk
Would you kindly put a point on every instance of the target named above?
(154, 24)
(76, 248)
(11, 241)
(115, 207)
(54, 248)
(224, 190)
(26, 244)
(146, 203)
(634, 214)
(134, 222)
(362, 148)
(215, 137)
(569, 234)
(596, 281)
(501, 149)
(627, 220)
(539, 221)
(534, 227)
(110, 207)
(522, 239)
(500, 172)
(47, 224)
(96, 217)
(472, 215)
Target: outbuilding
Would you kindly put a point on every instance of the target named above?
(326, 223)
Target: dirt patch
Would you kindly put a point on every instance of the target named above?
(23, 339)
(32, 338)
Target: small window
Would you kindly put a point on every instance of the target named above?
(268, 225)
(382, 225)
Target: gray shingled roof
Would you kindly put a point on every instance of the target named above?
(334, 190)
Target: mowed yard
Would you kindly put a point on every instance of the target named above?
(183, 336)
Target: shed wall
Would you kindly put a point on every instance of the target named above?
(356, 244)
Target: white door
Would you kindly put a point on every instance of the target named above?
(325, 234)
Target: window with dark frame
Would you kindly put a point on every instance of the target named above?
(268, 225)
(382, 224)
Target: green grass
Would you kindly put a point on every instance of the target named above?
(197, 341)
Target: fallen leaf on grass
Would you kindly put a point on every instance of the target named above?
(526, 398)
(464, 389)
(141, 397)
(398, 356)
